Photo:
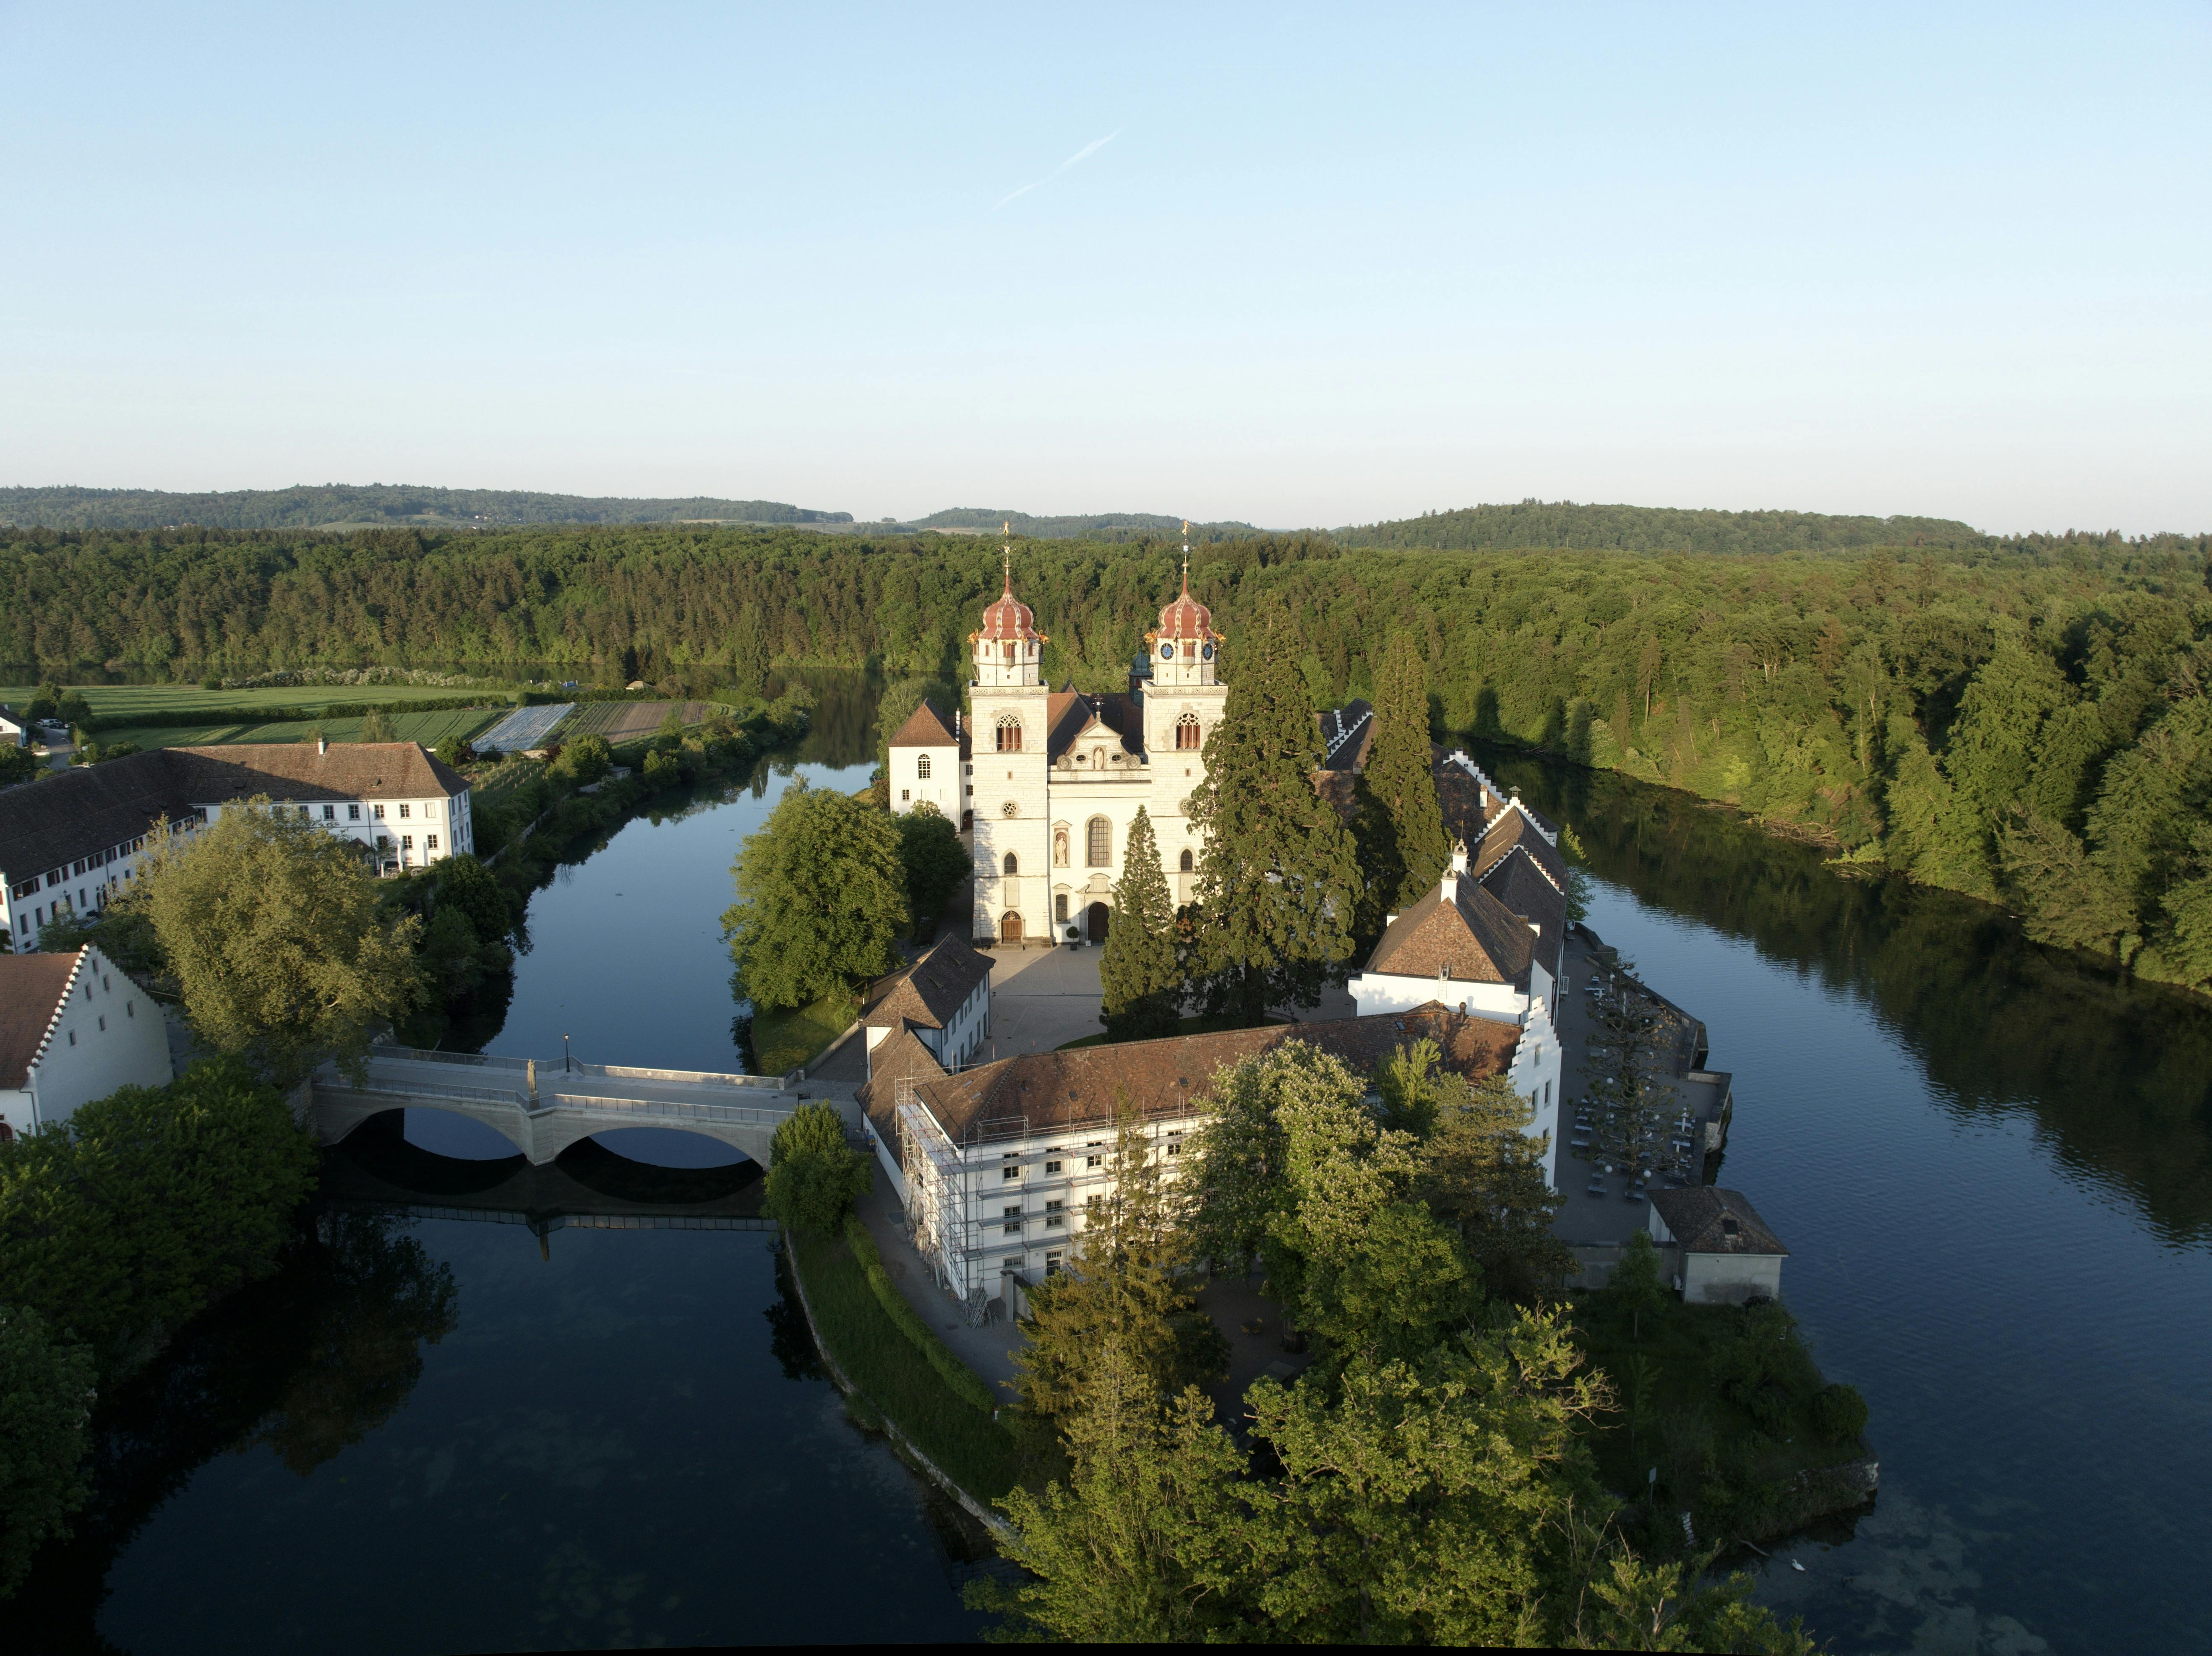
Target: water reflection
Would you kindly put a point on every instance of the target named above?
(2118, 1074)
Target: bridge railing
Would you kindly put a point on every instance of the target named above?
(736, 1115)
(547, 1066)
(455, 1094)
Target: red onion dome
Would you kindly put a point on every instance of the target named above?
(1186, 618)
(1009, 618)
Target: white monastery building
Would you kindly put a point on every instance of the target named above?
(68, 842)
(73, 1029)
(1051, 780)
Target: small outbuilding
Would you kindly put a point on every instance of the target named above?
(1724, 1252)
(73, 1029)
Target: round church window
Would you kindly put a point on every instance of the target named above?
(1010, 809)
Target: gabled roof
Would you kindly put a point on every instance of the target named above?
(1516, 825)
(924, 727)
(1069, 714)
(49, 822)
(32, 990)
(1470, 933)
(1347, 734)
(1518, 881)
(1707, 1220)
(930, 992)
(1083, 1090)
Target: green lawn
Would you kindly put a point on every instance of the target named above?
(1191, 1026)
(984, 1458)
(122, 701)
(784, 1040)
(429, 729)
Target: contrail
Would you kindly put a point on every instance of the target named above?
(1077, 159)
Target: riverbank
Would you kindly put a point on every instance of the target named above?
(975, 1456)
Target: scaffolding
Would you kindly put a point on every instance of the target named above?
(939, 1201)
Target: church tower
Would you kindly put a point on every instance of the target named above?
(1008, 760)
(1183, 705)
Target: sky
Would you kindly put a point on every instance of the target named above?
(1288, 265)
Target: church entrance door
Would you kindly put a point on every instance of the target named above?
(1094, 920)
(1009, 928)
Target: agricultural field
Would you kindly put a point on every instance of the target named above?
(627, 721)
(429, 729)
(122, 701)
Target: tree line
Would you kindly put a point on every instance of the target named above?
(2024, 721)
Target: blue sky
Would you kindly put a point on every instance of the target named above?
(1314, 266)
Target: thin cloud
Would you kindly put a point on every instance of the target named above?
(1075, 159)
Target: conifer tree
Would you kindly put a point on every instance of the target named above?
(1406, 847)
(1279, 883)
(1139, 976)
(1124, 1288)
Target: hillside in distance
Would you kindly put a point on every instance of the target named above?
(1533, 524)
(1110, 526)
(355, 506)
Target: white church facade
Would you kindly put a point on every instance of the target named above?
(1050, 781)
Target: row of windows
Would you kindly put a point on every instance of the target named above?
(1188, 736)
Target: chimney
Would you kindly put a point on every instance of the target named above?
(322, 745)
(1449, 886)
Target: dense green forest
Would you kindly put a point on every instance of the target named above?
(1536, 524)
(374, 503)
(1101, 526)
(2029, 722)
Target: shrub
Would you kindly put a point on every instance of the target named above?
(965, 1382)
(814, 1176)
(45, 1397)
(661, 771)
(584, 761)
(1840, 1412)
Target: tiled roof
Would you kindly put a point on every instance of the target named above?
(1068, 713)
(924, 728)
(1041, 1092)
(31, 990)
(48, 823)
(1517, 825)
(930, 992)
(1347, 734)
(1518, 880)
(88, 808)
(1699, 1219)
(1474, 934)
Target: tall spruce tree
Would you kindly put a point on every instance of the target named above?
(1139, 976)
(1125, 1290)
(1279, 882)
(1404, 848)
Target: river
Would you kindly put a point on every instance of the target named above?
(1992, 1165)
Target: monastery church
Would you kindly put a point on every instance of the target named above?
(1050, 780)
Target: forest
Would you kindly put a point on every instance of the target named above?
(373, 503)
(2024, 721)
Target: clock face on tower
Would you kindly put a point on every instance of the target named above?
(1167, 653)
(1207, 650)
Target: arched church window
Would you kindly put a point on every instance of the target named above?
(1060, 907)
(921, 768)
(1012, 864)
(1060, 848)
(1185, 866)
(1187, 733)
(1100, 833)
(1009, 730)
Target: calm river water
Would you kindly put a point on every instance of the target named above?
(1992, 1166)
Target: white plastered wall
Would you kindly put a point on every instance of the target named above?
(106, 1033)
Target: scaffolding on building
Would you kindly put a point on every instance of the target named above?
(939, 1204)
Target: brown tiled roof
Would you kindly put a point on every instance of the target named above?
(1474, 934)
(1515, 826)
(929, 991)
(1466, 807)
(31, 990)
(296, 770)
(1347, 734)
(902, 1057)
(924, 728)
(1698, 1217)
(48, 823)
(1517, 881)
(1041, 1092)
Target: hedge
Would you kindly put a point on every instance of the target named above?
(966, 1384)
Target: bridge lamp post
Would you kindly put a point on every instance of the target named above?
(564, 1055)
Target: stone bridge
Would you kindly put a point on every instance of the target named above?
(542, 1108)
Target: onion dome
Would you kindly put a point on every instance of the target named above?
(1009, 618)
(1186, 618)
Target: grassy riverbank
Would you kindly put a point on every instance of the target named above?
(785, 1038)
(985, 1457)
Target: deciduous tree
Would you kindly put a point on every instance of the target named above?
(814, 1176)
(935, 862)
(46, 1399)
(821, 898)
